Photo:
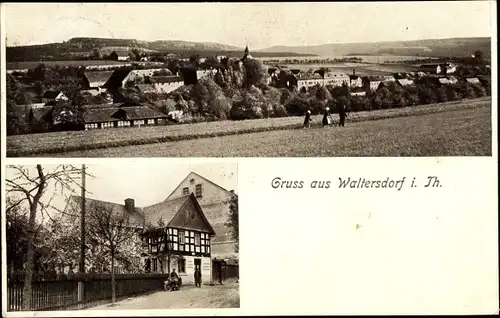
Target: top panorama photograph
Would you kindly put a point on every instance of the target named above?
(387, 79)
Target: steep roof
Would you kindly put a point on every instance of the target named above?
(168, 209)
(51, 94)
(405, 82)
(196, 174)
(98, 76)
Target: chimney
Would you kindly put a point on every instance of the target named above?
(353, 72)
(130, 205)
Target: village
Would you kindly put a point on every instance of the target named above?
(147, 92)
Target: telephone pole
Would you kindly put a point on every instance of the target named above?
(82, 238)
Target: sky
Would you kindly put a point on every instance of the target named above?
(258, 25)
(147, 181)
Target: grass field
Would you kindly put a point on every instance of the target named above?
(464, 132)
(428, 130)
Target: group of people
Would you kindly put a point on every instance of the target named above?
(327, 117)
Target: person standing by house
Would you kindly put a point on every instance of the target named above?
(197, 277)
(307, 120)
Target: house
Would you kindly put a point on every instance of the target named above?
(166, 84)
(430, 68)
(185, 231)
(473, 80)
(304, 81)
(95, 81)
(205, 73)
(109, 116)
(371, 83)
(184, 242)
(53, 96)
(358, 91)
(215, 201)
(121, 55)
(336, 79)
(355, 80)
(135, 223)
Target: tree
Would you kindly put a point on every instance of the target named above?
(29, 185)
(233, 221)
(96, 54)
(112, 230)
(255, 72)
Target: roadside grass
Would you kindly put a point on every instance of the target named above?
(73, 141)
(465, 132)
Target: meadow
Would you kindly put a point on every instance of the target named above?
(465, 132)
(172, 140)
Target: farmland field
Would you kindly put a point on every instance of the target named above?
(453, 133)
(92, 63)
(445, 128)
(361, 69)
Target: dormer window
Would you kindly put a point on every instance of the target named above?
(185, 191)
(198, 191)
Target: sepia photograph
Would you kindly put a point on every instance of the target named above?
(379, 79)
(121, 237)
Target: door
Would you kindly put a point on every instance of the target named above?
(197, 265)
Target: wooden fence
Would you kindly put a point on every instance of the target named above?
(224, 272)
(62, 293)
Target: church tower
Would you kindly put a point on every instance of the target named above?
(247, 54)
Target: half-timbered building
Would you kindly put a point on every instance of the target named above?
(177, 235)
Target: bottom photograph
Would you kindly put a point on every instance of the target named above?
(121, 236)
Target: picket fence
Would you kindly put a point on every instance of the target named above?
(62, 293)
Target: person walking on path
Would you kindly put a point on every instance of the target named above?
(307, 120)
(342, 114)
(327, 118)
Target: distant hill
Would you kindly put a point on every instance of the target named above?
(81, 48)
(453, 47)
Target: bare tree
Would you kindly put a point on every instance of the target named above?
(29, 184)
(111, 229)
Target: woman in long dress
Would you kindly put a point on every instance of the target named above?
(307, 120)
(327, 118)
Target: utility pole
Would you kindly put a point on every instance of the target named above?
(82, 238)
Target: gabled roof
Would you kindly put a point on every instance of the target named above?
(51, 94)
(168, 209)
(336, 75)
(405, 82)
(304, 77)
(196, 174)
(136, 217)
(166, 79)
(98, 76)
(121, 52)
(108, 113)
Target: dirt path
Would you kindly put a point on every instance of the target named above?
(225, 296)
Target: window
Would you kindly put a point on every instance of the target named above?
(197, 239)
(181, 237)
(185, 191)
(181, 265)
(198, 191)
